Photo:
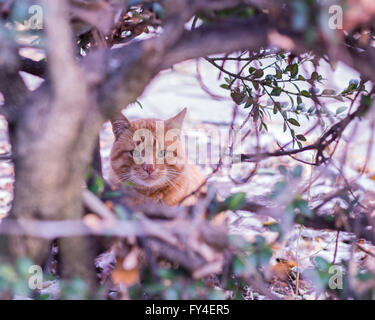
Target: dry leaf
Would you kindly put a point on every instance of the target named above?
(125, 277)
(219, 219)
(92, 221)
(131, 260)
(282, 268)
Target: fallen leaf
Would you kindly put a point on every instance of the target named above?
(282, 268)
(92, 221)
(125, 277)
(131, 260)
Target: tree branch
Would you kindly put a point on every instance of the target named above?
(36, 68)
(221, 38)
(133, 66)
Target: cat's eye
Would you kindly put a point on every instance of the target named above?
(135, 153)
(162, 153)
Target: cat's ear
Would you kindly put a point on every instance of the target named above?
(177, 121)
(120, 125)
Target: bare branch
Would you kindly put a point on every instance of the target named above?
(330, 136)
(36, 68)
(214, 39)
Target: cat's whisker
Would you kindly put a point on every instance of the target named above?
(173, 170)
(172, 176)
(126, 177)
(173, 184)
(176, 173)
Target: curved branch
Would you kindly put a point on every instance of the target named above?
(36, 68)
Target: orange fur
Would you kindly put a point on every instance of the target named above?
(167, 182)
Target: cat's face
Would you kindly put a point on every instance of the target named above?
(148, 152)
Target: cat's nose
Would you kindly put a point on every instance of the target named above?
(149, 168)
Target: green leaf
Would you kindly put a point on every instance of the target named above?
(23, 265)
(283, 170)
(353, 84)
(249, 102)
(294, 70)
(311, 109)
(278, 188)
(276, 92)
(328, 92)
(7, 273)
(294, 122)
(301, 137)
(258, 74)
(366, 100)
(97, 185)
(236, 201)
(275, 227)
(112, 194)
(276, 107)
(158, 9)
(314, 76)
(259, 242)
(251, 69)
(305, 93)
(237, 96)
(321, 264)
(297, 172)
(351, 88)
(264, 257)
(165, 273)
(341, 110)
(339, 98)
(365, 276)
(238, 266)
(224, 86)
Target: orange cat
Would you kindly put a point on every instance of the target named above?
(154, 162)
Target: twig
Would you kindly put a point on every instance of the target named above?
(93, 203)
(336, 247)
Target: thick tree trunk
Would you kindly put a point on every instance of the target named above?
(53, 149)
(54, 139)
